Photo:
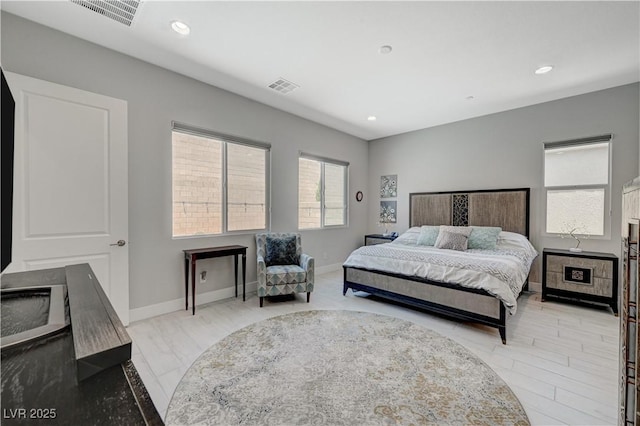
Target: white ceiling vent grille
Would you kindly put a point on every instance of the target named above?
(122, 11)
(283, 86)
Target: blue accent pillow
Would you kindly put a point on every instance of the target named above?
(281, 251)
(484, 237)
(428, 235)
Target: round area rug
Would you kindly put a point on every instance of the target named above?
(341, 368)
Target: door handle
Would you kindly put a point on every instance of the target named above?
(120, 243)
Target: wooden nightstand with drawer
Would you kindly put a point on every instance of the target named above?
(586, 276)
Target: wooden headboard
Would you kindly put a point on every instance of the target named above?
(506, 208)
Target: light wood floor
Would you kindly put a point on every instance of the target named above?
(560, 360)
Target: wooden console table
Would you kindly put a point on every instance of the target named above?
(192, 256)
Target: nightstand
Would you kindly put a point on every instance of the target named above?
(585, 275)
(373, 239)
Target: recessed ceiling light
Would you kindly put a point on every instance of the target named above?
(385, 49)
(372, 118)
(543, 70)
(180, 27)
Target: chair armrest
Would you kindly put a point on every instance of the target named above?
(308, 264)
(261, 271)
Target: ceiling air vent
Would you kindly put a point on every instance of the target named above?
(283, 86)
(121, 11)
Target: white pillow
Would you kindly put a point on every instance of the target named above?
(515, 241)
(409, 237)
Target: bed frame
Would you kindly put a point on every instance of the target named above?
(506, 208)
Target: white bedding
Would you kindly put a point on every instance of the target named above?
(501, 272)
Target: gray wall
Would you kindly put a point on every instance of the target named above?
(504, 150)
(157, 96)
(494, 151)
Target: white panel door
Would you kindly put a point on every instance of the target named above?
(70, 193)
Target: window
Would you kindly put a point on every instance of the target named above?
(322, 192)
(576, 179)
(219, 183)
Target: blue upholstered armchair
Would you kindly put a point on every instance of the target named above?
(282, 267)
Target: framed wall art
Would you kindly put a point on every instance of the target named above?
(388, 211)
(389, 186)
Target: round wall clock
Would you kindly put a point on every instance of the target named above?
(359, 196)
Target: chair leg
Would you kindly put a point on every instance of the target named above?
(261, 299)
(308, 296)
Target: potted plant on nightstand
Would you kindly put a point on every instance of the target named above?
(572, 231)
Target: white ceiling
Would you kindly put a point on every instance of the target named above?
(443, 52)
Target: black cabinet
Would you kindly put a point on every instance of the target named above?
(373, 239)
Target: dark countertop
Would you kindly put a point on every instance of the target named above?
(39, 386)
(40, 383)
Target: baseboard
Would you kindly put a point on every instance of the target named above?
(328, 268)
(535, 287)
(150, 311)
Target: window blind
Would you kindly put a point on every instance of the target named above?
(323, 159)
(198, 131)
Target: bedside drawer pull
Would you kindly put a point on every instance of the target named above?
(577, 275)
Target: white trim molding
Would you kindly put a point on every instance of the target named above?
(174, 305)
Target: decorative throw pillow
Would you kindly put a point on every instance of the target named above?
(464, 230)
(484, 237)
(428, 235)
(452, 241)
(281, 251)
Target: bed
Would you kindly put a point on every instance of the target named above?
(480, 284)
